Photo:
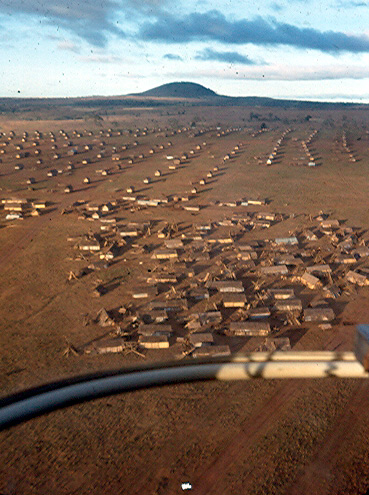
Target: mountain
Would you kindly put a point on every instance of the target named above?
(183, 94)
(167, 93)
(179, 90)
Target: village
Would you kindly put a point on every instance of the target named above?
(166, 238)
(204, 285)
(184, 248)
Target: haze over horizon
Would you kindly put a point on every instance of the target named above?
(303, 50)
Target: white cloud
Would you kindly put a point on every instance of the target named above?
(102, 59)
(69, 46)
(284, 73)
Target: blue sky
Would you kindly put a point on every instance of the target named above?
(302, 49)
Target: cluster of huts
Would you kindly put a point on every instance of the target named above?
(306, 146)
(227, 131)
(347, 148)
(205, 289)
(65, 145)
(276, 149)
(20, 208)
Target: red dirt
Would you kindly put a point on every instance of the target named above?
(223, 438)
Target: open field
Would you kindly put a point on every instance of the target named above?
(283, 437)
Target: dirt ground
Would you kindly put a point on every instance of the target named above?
(257, 437)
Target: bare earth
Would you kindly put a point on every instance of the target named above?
(257, 437)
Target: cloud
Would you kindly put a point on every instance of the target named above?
(172, 56)
(146, 6)
(277, 7)
(213, 26)
(281, 72)
(92, 20)
(349, 4)
(102, 59)
(229, 57)
(68, 46)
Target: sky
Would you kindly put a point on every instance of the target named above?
(301, 49)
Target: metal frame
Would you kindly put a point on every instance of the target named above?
(35, 402)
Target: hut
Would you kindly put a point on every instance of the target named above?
(319, 314)
(310, 281)
(201, 339)
(234, 300)
(274, 270)
(157, 173)
(164, 254)
(249, 328)
(212, 351)
(228, 286)
(144, 292)
(277, 294)
(260, 313)
(291, 304)
(173, 244)
(149, 329)
(193, 208)
(86, 180)
(39, 204)
(357, 278)
(154, 342)
(13, 215)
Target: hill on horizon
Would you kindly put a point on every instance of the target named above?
(190, 90)
(179, 90)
